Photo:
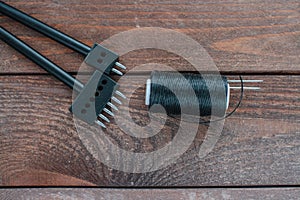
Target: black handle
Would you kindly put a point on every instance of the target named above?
(40, 60)
(44, 28)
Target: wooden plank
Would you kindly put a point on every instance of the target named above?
(167, 194)
(39, 145)
(245, 36)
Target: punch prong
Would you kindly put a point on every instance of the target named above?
(108, 112)
(120, 65)
(112, 106)
(120, 94)
(117, 71)
(104, 118)
(100, 124)
(116, 100)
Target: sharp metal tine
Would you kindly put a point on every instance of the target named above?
(100, 124)
(116, 100)
(108, 112)
(112, 106)
(120, 94)
(120, 65)
(104, 118)
(245, 88)
(245, 81)
(117, 71)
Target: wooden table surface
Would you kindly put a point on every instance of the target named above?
(258, 151)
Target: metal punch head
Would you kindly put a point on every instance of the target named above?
(102, 118)
(104, 60)
(98, 57)
(93, 104)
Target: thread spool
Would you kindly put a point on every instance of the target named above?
(170, 90)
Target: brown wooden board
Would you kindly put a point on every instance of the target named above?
(167, 194)
(259, 144)
(241, 36)
(257, 153)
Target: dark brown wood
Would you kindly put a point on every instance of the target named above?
(241, 37)
(39, 145)
(167, 194)
(259, 144)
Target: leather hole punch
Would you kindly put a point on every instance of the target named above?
(100, 94)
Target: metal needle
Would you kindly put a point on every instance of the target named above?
(245, 88)
(245, 81)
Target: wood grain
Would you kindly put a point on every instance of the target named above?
(241, 36)
(259, 145)
(39, 145)
(167, 194)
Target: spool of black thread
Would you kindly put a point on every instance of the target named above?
(172, 91)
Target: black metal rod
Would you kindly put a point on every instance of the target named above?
(44, 28)
(40, 60)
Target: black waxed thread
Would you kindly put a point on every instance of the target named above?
(163, 82)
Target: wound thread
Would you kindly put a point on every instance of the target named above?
(210, 90)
